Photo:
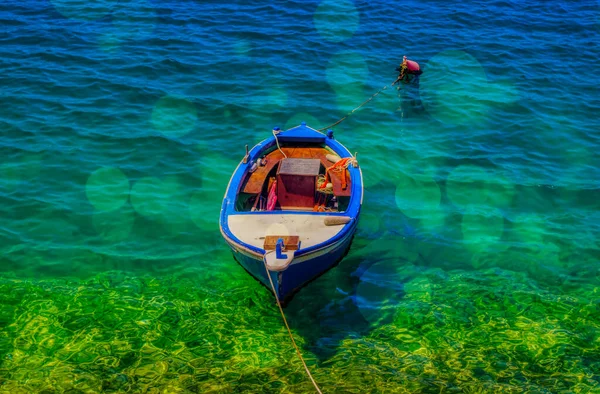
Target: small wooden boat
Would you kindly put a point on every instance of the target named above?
(292, 206)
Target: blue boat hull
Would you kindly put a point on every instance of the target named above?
(297, 275)
(312, 260)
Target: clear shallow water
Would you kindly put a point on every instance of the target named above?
(475, 268)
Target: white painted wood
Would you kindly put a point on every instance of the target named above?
(275, 264)
(252, 229)
(336, 220)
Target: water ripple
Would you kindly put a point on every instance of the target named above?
(475, 264)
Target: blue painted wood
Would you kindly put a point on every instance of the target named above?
(288, 282)
(301, 133)
(279, 248)
(315, 262)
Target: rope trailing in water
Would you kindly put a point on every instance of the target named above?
(288, 328)
(355, 109)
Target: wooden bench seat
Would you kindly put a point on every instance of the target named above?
(257, 179)
(336, 181)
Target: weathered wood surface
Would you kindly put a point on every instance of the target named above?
(257, 178)
(290, 242)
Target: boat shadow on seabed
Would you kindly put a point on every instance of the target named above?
(348, 301)
(360, 294)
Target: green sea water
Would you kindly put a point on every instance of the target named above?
(475, 267)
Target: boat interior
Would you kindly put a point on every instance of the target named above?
(308, 179)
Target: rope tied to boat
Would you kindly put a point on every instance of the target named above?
(323, 186)
(275, 132)
(340, 166)
(288, 328)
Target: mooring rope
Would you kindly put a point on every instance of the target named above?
(277, 141)
(351, 112)
(288, 328)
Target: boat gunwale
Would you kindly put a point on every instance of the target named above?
(228, 205)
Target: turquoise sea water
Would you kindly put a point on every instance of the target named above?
(476, 264)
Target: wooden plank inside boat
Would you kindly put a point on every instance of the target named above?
(299, 167)
(336, 181)
(257, 179)
(290, 242)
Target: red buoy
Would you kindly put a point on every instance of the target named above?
(407, 69)
(412, 65)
